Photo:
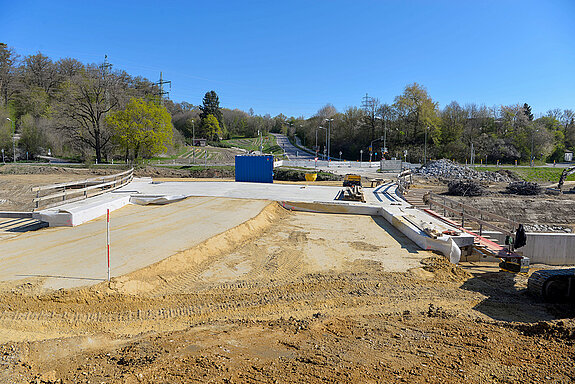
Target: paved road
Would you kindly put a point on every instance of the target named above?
(292, 152)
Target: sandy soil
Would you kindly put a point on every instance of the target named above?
(289, 297)
(309, 298)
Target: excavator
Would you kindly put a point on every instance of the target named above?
(554, 285)
(564, 175)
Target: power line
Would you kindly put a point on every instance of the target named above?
(161, 91)
(368, 103)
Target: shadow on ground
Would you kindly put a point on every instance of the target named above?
(405, 242)
(507, 298)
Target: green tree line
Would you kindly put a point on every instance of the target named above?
(92, 111)
(505, 133)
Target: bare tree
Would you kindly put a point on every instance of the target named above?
(40, 71)
(85, 100)
(68, 67)
(8, 60)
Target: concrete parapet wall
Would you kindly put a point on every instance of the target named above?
(545, 248)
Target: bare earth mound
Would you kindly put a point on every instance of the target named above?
(288, 297)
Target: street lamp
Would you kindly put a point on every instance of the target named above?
(384, 133)
(532, 141)
(328, 137)
(13, 139)
(425, 148)
(193, 142)
(316, 147)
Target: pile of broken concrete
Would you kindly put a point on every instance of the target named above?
(447, 169)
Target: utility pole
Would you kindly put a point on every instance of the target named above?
(367, 103)
(425, 148)
(105, 68)
(328, 138)
(193, 142)
(161, 91)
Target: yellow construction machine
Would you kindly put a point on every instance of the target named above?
(350, 180)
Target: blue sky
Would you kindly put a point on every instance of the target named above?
(293, 57)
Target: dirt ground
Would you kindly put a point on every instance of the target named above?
(545, 209)
(305, 298)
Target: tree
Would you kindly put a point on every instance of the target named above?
(40, 71)
(211, 127)
(7, 68)
(211, 106)
(84, 102)
(418, 111)
(527, 112)
(453, 119)
(31, 138)
(143, 128)
(370, 108)
(68, 67)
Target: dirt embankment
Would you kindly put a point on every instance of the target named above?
(16, 181)
(289, 297)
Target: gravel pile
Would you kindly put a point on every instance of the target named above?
(546, 228)
(447, 169)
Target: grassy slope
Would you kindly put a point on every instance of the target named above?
(253, 144)
(539, 174)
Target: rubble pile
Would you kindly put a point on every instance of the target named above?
(523, 188)
(447, 169)
(546, 228)
(465, 188)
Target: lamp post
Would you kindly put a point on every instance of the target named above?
(328, 137)
(532, 142)
(316, 148)
(360, 157)
(425, 148)
(193, 142)
(384, 134)
(13, 139)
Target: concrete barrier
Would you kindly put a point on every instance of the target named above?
(545, 248)
(78, 213)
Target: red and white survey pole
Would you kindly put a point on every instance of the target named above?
(108, 239)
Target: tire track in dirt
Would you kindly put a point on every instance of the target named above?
(176, 292)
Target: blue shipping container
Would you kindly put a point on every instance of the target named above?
(255, 169)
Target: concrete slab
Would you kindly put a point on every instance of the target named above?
(140, 236)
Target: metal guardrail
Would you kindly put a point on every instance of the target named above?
(467, 212)
(46, 195)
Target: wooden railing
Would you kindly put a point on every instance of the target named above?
(56, 194)
(469, 213)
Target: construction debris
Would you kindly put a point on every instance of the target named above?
(523, 188)
(465, 188)
(547, 228)
(447, 169)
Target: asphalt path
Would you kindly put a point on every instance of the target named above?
(292, 152)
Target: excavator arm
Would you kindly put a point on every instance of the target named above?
(564, 175)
